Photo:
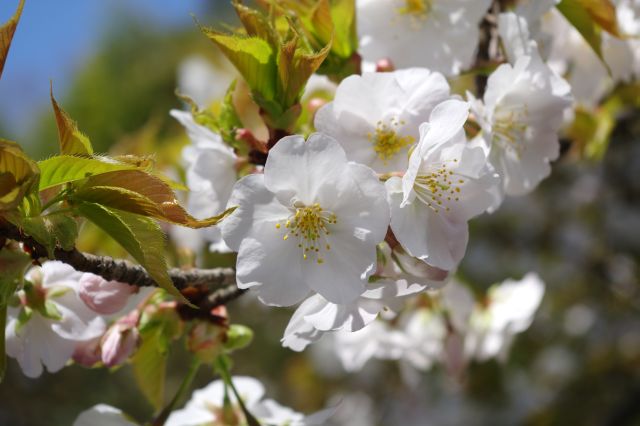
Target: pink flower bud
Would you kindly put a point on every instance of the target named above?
(87, 353)
(102, 296)
(120, 341)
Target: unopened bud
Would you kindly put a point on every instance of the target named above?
(102, 296)
(120, 341)
(385, 65)
(87, 353)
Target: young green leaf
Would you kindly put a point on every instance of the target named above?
(139, 192)
(590, 17)
(140, 236)
(253, 57)
(72, 140)
(18, 175)
(6, 35)
(70, 168)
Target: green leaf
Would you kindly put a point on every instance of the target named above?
(13, 264)
(18, 175)
(141, 237)
(68, 168)
(64, 229)
(253, 57)
(36, 227)
(6, 35)
(590, 17)
(139, 192)
(296, 67)
(72, 140)
(150, 366)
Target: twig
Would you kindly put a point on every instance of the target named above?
(118, 269)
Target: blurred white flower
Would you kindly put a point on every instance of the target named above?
(376, 116)
(211, 174)
(311, 222)
(448, 182)
(520, 118)
(202, 82)
(50, 320)
(206, 407)
(441, 35)
(103, 415)
(509, 309)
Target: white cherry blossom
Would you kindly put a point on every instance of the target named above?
(51, 319)
(447, 183)
(206, 407)
(521, 116)
(376, 116)
(399, 277)
(211, 174)
(441, 35)
(508, 310)
(103, 415)
(202, 81)
(310, 222)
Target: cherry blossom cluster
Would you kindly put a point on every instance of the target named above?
(215, 404)
(62, 315)
(396, 168)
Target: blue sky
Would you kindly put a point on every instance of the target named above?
(53, 38)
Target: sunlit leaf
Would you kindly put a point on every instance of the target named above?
(253, 57)
(18, 175)
(72, 140)
(6, 35)
(69, 168)
(139, 192)
(140, 236)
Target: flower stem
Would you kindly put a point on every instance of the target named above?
(180, 393)
(222, 369)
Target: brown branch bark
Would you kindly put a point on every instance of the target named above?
(219, 282)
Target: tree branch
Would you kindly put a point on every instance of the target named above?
(220, 282)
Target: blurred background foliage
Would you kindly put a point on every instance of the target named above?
(578, 364)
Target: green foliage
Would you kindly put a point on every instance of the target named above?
(62, 169)
(590, 18)
(136, 191)
(158, 327)
(72, 140)
(140, 236)
(275, 60)
(328, 22)
(6, 35)
(18, 175)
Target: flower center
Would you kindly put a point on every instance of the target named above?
(310, 225)
(438, 188)
(419, 8)
(509, 128)
(387, 142)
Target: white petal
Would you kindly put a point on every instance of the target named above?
(299, 168)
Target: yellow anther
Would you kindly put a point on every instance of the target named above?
(387, 142)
